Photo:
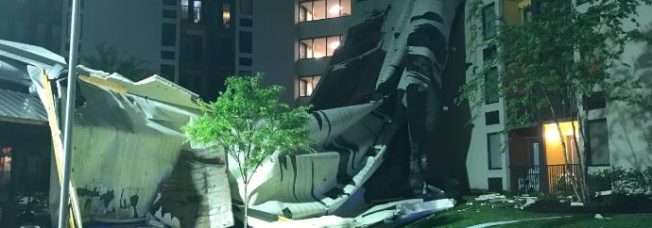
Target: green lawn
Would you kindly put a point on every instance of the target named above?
(465, 215)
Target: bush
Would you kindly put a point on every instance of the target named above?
(621, 180)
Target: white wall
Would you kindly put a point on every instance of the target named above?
(477, 163)
(630, 126)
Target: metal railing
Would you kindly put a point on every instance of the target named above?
(554, 179)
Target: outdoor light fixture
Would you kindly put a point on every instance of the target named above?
(226, 14)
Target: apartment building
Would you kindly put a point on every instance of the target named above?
(190, 42)
(292, 43)
(530, 158)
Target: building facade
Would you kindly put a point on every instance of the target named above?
(36, 22)
(530, 158)
(292, 44)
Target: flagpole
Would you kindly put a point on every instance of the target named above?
(69, 116)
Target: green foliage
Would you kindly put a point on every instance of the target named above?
(623, 180)
(562, 54)
(109, 60)
(250, 124)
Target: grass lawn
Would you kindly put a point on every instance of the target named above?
(468, 215)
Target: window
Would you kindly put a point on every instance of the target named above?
(192, 47)
(491, 117)
(318, 47)
(167, 71)
(170, 14)
(493, 145)
(495, 184)
(595, 101)
(312, 10)
(246, 7)
(168, 34)
(245, 61)
(489, 21)
(170, 2)
(527, 14)
(489, 54)
(307, 85)
(5, 166)
(245, 42)
(599, 142)
(191, 10)
(491, 86)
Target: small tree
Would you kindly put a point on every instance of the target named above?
(554, 61)
(249, 124)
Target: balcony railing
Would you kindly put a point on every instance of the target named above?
(555, 179)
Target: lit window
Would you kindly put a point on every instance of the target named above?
(307, 85)
(193, 15)
(318, 47)
(311, 10)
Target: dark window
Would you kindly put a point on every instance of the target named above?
(246, 7)
(527, 15)
(167, 71)
(492, 117)
(168, 34)
(170, 2)
(489, 21)
(595, 101)
(599, 141)
(245, 22)
(192, 48)
(170, 14)
(245, 62)
(491, 86)
(489, 54)
(495, 184)
(245, 42)
(493, 147)
(245, 73)
(168, 55)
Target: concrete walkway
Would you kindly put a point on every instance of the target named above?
(489, 224)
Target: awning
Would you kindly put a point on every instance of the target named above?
(17, 107)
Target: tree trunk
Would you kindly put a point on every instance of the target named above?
(584, 167)
(563, 142)
(246, 205)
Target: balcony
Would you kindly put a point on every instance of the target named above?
(554, 179)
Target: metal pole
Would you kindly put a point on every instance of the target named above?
(68, 121)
